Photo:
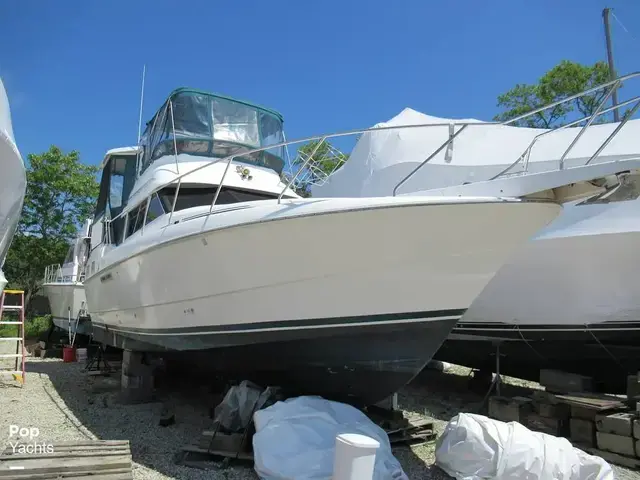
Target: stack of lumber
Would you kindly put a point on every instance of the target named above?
(90, 459)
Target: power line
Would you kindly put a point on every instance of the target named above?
(623, 27)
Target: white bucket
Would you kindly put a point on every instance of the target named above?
(81, 355)
(355, 457)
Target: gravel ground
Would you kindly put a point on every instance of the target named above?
(66, 404)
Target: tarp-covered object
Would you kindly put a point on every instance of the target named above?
(234, 412)
(295, 440)
(380, 159)
(475, 447)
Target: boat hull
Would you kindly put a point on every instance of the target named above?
(13, 182)
(568, 300)
(357, 364)
(369, 290)
(68, 301)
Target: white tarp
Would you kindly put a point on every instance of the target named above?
(295, 440)
(474, 447)
(381, 159)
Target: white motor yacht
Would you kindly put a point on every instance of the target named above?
(208, 250)
(13, 181)
(567, 299)
(63, 286)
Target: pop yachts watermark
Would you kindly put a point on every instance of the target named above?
(24, 440)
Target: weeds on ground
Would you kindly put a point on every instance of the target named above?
(33, 327)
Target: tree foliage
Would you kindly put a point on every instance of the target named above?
(325, 159)
(562, 81)
(61, 194)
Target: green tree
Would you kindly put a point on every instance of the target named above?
(61, 194)
(325, 159)
(562, 81)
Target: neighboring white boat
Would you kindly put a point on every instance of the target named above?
(13, 181)
(348, 298)
(567, 299)
(63, 286)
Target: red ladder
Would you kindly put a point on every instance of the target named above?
(18, 372)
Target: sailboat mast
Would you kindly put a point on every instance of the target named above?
(612, 70)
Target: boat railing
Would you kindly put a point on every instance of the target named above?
(54, 274)
(607, 90)
(305, 164)
(320, 166)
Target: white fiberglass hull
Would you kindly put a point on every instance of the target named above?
(572, 294)
(371, 285)
(68, 301)
(12, 182)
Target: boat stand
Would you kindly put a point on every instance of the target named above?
(93, 362)
(497, 379)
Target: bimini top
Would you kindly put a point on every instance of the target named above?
(213, 125)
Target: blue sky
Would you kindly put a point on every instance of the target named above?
(73, 69)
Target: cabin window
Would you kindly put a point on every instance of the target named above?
(118, 177)
(271, 132)
(155, 208)
(235, 122)
(135, 219)
(191, 116)
(190, 197)
(115, 191)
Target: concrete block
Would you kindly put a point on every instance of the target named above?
(133, 366)
(616, 443)
(620, 423)
(559, 381)
(636, 428)
(551, 426)
(582, 432)
(584, 413)
(509, 409)
(558, 410)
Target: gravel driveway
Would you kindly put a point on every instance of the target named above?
(65, 404)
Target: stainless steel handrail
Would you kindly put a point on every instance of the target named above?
(614, 85)
(53, 274)
(527, 151)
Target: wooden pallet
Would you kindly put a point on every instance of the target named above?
(90, 459)
(414, 432)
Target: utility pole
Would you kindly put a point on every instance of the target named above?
(612, 70)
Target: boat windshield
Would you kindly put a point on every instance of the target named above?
(70, 255)
(213, 126)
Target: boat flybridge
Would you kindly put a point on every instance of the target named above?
(199, 245)
(566, 300)
(63, 286)
(13, 181)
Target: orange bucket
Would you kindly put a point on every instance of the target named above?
(68, 354)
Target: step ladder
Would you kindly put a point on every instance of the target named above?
(18, 371)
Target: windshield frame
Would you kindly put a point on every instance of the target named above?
(216, 126)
